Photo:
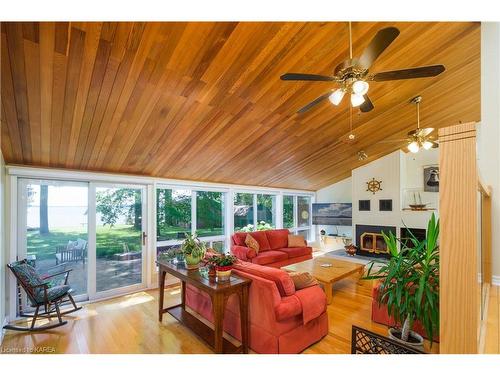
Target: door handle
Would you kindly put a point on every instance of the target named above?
(144, 235)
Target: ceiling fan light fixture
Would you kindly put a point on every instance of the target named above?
(357, 100)
(360, 87)
(336, 96)
(427, 145)
(413, 147)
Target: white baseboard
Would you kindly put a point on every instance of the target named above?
(495, 280)
(2, 331)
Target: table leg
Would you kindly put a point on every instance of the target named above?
(329, 292)
(183, 295)
(243, 295)
(218, 305)
(161, 287)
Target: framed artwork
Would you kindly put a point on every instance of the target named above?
(431, 178)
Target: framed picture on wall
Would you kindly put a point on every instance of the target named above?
(431, 178)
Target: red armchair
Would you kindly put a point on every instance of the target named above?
(273, 248)
(282, 320)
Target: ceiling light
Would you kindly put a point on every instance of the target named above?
(360, 87)
(427, 145)
(357, 100)
(336, 96)
(413, 147)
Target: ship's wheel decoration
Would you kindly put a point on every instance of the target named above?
(374, 185)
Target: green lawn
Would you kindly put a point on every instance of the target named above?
(110, 240)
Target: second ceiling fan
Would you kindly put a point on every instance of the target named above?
(353, 74)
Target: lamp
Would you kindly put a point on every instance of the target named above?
(427, 145)
(360, 87)
(357, 100)
(413, 147)
(336, 96)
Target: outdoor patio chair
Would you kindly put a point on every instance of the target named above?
(74, 251)
(42, 292)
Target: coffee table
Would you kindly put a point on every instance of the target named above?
(326, 276)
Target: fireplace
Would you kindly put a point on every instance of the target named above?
(370, 242)
(418, 233)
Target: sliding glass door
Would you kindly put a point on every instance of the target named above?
(97, 231)
(120, 239)
(53, 229)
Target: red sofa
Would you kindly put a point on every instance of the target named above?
(273, 248)
(380, 314)
(282, 319)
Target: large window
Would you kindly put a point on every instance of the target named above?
(297, 214)
(181, 211)
(209, 213)
(254, 212)
(173, 214)
(243, 212)
(288, 211)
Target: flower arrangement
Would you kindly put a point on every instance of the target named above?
(223, 265)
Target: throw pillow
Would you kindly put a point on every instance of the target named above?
(303, 280)
(252, 243)
(296, 241)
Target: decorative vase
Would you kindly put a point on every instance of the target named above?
(414, 339)
(223, 273)
(192, 263)
(350, 250)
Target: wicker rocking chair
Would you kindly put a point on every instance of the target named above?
(41, 293)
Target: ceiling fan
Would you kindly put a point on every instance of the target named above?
(419, 138)
(353, 74)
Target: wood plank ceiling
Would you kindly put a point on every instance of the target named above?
(203, 101)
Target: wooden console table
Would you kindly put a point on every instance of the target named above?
(219, 293)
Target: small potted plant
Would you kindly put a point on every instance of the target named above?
(193, 250)
(223, 266)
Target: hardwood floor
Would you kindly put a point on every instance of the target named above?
(492, 343)
(129, 324)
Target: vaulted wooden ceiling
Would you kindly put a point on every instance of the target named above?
(203, 101)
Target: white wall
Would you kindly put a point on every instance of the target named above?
(3, 247)
(397, 171)
(488, 131)
(340, 192)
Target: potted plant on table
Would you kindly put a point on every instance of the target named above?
(193, 250)
(410, 284)
(223, 266)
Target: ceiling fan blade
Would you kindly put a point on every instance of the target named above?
(421, 72)
(305, 77)
(378, 44)
(314, 102)
(367, 105)
(426, 131)
(435, 144)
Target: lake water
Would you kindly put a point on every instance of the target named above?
(64, 216)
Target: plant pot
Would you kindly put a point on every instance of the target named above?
(414, 339)
(212, 272)
(223, 273)
(350, 249)
(192, 262)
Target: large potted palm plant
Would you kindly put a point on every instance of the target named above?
(410, 284)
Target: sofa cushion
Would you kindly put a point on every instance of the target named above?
(296, 251)
(252, 243)
(277, 238)
(239, 238)
(281, 278)
(302, 280)
(296, 241)
(270, 256)
(261, 238)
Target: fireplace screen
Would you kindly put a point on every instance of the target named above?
(373, 243)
